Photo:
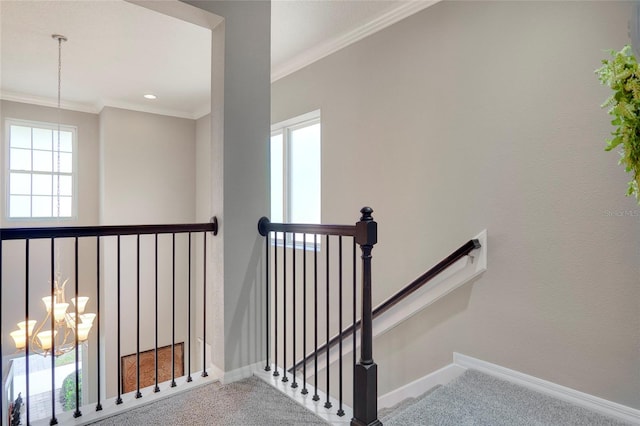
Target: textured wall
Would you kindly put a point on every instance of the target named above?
(473, 115)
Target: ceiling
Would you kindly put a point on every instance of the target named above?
(118, 51)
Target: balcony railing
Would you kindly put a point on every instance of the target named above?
(144, 263)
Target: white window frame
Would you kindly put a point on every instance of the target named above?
(285, 128)
(7, 168)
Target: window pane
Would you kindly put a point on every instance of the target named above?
(65, 207)
(304, 174)
(20, 206)
(20, 137)
(19, 183)
(42, 139)
(66, 162)
(20, 159)
(42, 185)
(66, 141)
(276, 179)
(42, 161)
(66, 185)
(42, 206)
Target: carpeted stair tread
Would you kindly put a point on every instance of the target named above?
(476, 399)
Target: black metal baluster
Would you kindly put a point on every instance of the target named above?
(267, 366)
(173, 311)
(28, 337)
(98, 405)
(293, 283)
(204, 309)
(316, 397)
(2, 334)
(156, 388)
(138, 393)
(328, 404)
(189, 379)
(275, 307)
(54, 420)
(355, 329)
(119, 398)
(304, 315)
(284, 307)
(77, 413)
(340, 410)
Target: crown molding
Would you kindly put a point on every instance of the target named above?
(201, 111)
(148, 109)
(47, 102)
(404, 10)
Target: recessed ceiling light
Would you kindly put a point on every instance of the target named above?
(150, 96)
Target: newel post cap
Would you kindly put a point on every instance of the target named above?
(263, 225)
(366, 228)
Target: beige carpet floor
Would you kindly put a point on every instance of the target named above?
(249, 402)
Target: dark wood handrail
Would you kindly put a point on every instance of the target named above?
(265, 226)
(461, 252)
(101, 231)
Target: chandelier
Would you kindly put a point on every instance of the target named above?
(67, 327)
(62, 337)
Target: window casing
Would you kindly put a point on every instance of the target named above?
(40, 170)
(296, 172)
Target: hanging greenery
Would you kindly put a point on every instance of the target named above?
(622, 74)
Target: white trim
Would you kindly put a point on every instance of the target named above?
(298, 121)
(110, 409)
(316, 407)
(590, 402)
(458, 274)
(418, 387)
(309, 56)
(241, 373)
(200, 112)
(48, 102)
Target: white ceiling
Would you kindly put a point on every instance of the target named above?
(118, 51)
(115, 53)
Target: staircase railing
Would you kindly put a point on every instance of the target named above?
(117, 236)
(392, 301)
(364, 234)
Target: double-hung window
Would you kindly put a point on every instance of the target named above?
(295, 170)
(40, 170)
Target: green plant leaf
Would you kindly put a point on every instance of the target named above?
(621, 73)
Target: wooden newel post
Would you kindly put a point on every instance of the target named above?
(365, 400)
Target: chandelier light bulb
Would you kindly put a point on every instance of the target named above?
(81, 302)
(19, 338)
(27, 325)
(45, 338)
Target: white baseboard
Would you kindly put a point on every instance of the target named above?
(573, 396)
(129, 401)
(241, 373)
(420, 386)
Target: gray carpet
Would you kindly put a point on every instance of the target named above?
(249, 402)
(476, 399)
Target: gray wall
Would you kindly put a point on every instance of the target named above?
(473, 115)
(242, 176)
(147, 168)
(148, 176)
